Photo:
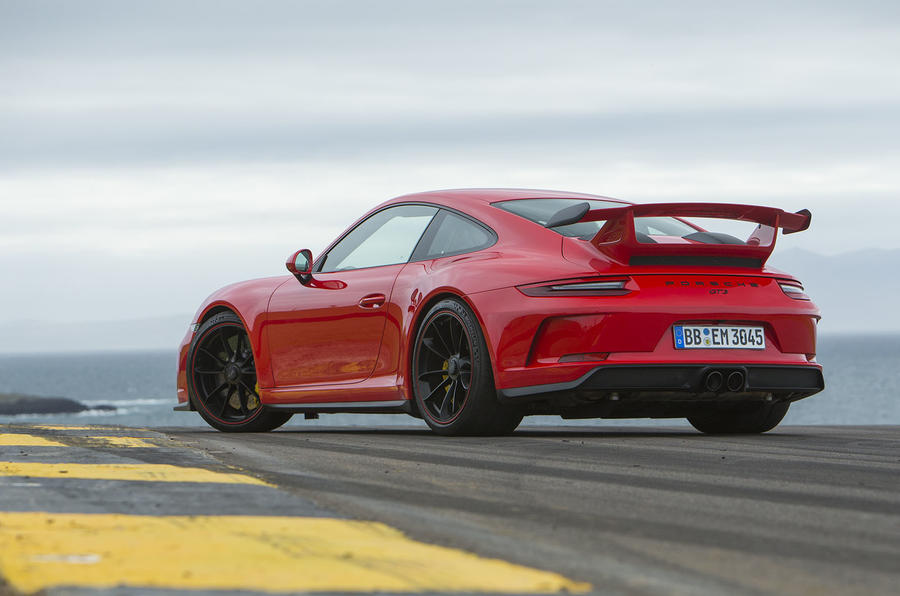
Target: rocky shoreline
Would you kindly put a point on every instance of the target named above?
(15, 404)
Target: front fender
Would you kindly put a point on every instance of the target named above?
(249, 300)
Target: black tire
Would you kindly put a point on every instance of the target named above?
(452, 380)
(221, 378)
(742, 419)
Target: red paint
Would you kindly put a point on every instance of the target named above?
(346, 335)
(323, 336)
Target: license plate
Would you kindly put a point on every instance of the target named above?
(719, 337)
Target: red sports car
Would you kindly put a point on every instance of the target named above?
(473, 308)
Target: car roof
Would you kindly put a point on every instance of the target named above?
(462, 197)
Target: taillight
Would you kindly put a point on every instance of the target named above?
(605, 286)
(793, 289)
(590, 286)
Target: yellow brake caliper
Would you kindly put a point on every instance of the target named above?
(252, 400)
(445, 366)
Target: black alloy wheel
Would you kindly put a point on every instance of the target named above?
(222, 378)
(452, 379)
(444, 366)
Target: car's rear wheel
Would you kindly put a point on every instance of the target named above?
(740, 419)
(452, 379)
(222, 378)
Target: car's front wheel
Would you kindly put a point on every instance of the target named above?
(452, 379)
(740, 419)
(222, 378)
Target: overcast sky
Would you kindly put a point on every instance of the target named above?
(151, 152)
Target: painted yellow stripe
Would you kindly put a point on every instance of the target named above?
(23, 440)
(142, 472)
(26, 440)
(59, 427)
(120, 441)
(275, 554)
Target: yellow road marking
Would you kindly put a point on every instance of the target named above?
(59, 427)
(122, 441)
(26, 440)
(23, 440)
(143, 472)
(276, 554)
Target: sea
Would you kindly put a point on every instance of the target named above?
(862, 378)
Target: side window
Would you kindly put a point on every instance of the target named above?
(386, 238)
(452, 234)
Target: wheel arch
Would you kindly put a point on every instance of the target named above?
(254, 335)
(217, 309)
(418, 319)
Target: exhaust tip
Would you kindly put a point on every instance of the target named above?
(736, 381)
(714, 381)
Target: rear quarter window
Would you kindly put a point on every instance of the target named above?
(452, 234)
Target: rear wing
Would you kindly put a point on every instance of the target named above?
(618, 239)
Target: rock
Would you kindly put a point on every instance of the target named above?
(13, 404)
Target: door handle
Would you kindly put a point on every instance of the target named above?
(372, 301)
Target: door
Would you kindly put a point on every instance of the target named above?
(329, 330)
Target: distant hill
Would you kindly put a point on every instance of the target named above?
(857, 291)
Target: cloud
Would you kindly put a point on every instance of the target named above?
(801, 135)
(112, 84)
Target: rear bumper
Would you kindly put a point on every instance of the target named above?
(661, 382)
(548, 340)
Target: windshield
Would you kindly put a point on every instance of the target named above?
(541, 210)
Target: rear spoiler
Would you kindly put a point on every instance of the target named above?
(617, 237)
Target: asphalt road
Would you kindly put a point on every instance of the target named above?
(800, 510)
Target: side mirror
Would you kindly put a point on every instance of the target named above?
(300, 264)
